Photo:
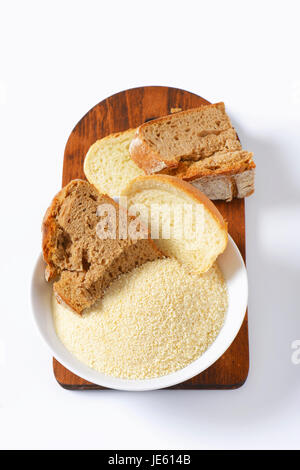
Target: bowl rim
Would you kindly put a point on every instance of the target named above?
(68, 360)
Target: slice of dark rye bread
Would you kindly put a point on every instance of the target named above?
(81, 263)
(199, 145)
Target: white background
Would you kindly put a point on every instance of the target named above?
(58, 59)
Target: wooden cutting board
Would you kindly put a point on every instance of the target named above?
(129, 109)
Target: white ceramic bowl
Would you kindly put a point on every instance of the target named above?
(234, 272)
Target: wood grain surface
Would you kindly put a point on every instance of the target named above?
(129, 109)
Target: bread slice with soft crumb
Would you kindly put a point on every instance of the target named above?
(108, 165)
(184, 223)
(81, 262)
(188, 135)
(199, 145)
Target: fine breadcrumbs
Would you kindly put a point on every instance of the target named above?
(151, 321)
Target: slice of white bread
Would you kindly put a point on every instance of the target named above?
(108, 165)
(196, 249)
(82, 263)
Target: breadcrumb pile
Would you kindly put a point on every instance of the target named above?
(151, 321)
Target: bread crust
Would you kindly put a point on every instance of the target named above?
(147, 158)
(226, 186)
(114, 134)
(48, 233)
(240, 167)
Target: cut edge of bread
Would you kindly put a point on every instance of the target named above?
(97, 153)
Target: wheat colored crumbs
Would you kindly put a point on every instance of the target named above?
(152, 321)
